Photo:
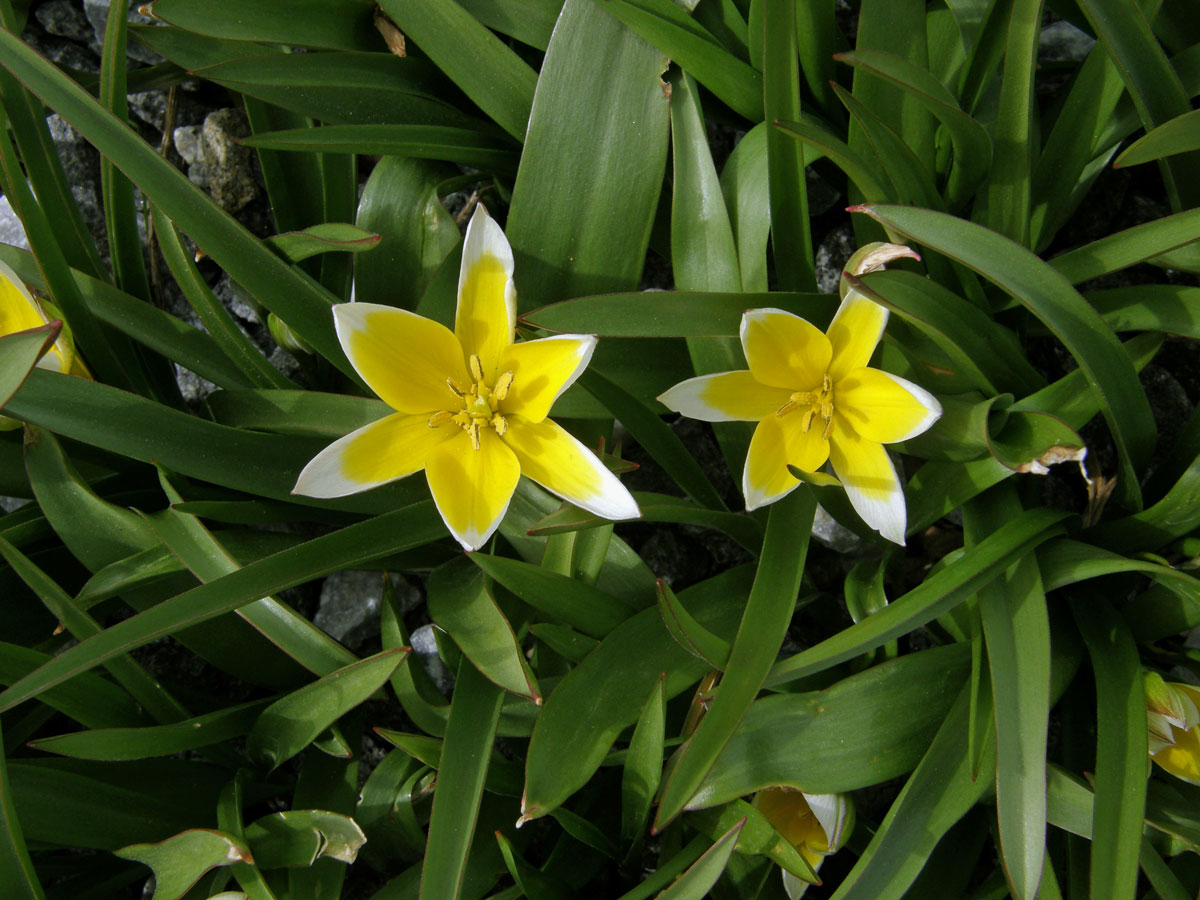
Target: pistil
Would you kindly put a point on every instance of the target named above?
(815, 403)
(477, 404)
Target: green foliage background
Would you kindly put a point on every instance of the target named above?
(979, 691)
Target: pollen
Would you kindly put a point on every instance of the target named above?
(476, 406)
(813, 403)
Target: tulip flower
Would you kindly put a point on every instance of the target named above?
(816, 400)
(815, 824)
(20, 311)
(470, 405)
(1173, 722)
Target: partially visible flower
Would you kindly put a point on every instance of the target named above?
(20, 311)
(1173, 723)
(817, 825)
(816, 400)
(470, 404)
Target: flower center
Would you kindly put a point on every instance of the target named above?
(814, 403)
(478, 404)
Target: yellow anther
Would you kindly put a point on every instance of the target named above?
(476, 369)
(455, 388)
(499, 423)
(473, 431)
(816, 403)
(503, 383)
(438, 419)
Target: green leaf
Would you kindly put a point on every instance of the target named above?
(744, 183)
(643, 765)
(1017, 632)
(694, 884)
(936, 795)
(655, 437)
(466, 753)
(972, 146)
(300, 837)
(289, 724)
(180, 861)
(1120, 746)
(660, 508)
(791, 239)
(672, 314)
(128, 673)
(529, 21)
(987, 354)
(155, 740)
(464, 146)
(461, 603)
(764, 623)
(1122, 249)
(685, 41)
(1178, 135)
(487, 70)
(688, 633)
(1050, 298)
(939, 593)
(562, 248)
(572, 602)
(758, 837)
(19, 353)
(16, 868)
(1006, 195)
(860, 731)
(343, 25)
(613, 682)
(1151, 80)
(252, 366)
(400, 202)
(324, 238)
(146, 324)
(208, 560)
(92, 701)
(300, 302)
(346, 548)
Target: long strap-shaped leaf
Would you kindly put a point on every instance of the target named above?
(1120, 747)
(466, 752)
(934, 596)
(299, 301)
(1068, 316)
(1017, 631)
(16, 868)
(1151, 80)
(392, 532)
(764, 623)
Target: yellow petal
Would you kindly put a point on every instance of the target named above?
(870, 479)
(487, 297)
(884, 407)
(788, 811)
(725, 397)
(472, 488)
(395, 446)
(1183, 758)
(806, 450)
(542, 370)
(784, 350)
(854, 334)
(18, 310)
(405, 358)
(561, 464)
(766, 478)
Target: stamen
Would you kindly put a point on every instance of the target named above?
(476, 368)
(438, 419)
(808, 417)
(503, 384)
(473, 431)
(457, 390)
(499, 423)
